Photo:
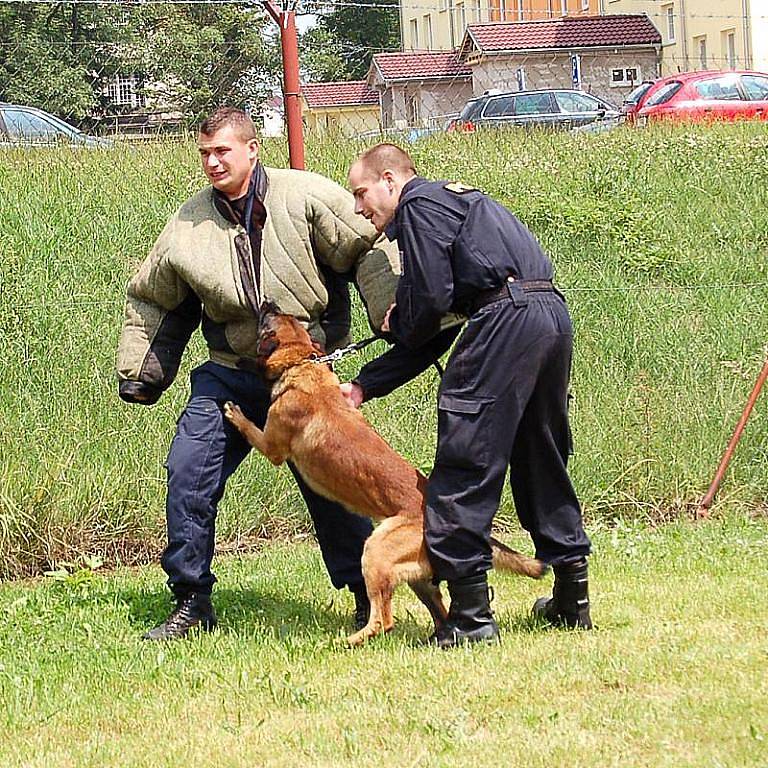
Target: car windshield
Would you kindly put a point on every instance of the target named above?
(634, 96)
(471, 109)
(664, 94)
(24, 123)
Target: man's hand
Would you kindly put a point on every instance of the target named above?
(385, 321)
(353, 393)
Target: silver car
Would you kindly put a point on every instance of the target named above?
(22, 126)
(547, 108)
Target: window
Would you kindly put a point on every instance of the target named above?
(519, 10)
(729, 48)
(701, 49)
(533, 104)
(756, 87)
(718, 89)
(584, 5)
(500, 107)
(668, 13)
(461, 19)
(429, 43)
(564, 7)
(478, 10)
(664, 94)
(413, 26)
(625, 76)
(124, 90)
(576, 102)
(412, 108)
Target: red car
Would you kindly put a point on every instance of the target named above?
(704, 96)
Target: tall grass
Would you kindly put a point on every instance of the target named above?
(659, 241)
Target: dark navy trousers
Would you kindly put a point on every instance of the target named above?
(205, 451)
(503, 405)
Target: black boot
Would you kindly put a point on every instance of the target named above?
(362, 604)
(191, 611)
(470, 619)
(569, 604)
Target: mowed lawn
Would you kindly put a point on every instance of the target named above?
(674, 675)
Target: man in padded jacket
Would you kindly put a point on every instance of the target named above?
(256, 233)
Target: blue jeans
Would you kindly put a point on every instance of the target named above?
(205, 451)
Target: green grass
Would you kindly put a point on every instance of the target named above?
(658, 238)
(674, 675)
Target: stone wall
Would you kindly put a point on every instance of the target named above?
(553, 70)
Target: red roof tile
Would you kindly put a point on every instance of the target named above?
(339, 94)
(420, 65)
(566, 32)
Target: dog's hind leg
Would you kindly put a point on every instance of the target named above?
(379, 564)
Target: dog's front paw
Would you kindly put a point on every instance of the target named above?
(234, 414)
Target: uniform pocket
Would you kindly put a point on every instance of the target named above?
(463, 434)
(200, 420)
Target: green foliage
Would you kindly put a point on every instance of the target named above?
(658, 240)
(60, 57)
(351, 36)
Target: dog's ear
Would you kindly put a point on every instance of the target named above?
(318, 347)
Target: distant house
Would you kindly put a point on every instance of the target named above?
(272, 117)
(349, 107)
(604, 55)
(419, 88)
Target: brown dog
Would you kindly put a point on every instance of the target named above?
(342, 458)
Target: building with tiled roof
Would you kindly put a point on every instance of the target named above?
(605, 55)
(567, 33)
(419, 89)
(350, 107)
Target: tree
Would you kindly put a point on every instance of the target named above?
(347, 38)
(189, 57)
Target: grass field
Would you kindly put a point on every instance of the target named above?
(674, 674)
(659, 241)
(658, 238)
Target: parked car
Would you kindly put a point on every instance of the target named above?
(22, 126)
(705, 96)
(635, 100)
(547, 108)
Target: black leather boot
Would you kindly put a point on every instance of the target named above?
(470, 619)
(191, 611)
(362, 604)
(569, 604)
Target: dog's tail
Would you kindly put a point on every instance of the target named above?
(507, 559)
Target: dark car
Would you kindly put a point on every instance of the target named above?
(706, 97)
(547, 108)
(22, 126)
(635, 100)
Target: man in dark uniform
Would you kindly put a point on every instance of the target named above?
(503, 398)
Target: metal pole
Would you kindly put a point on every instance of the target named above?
(289, 44)
(706, 502)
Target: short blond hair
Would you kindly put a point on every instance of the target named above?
(387, 156)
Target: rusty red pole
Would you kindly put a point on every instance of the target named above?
(706, 502)
(289, 44)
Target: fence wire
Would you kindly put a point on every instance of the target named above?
(155, 67)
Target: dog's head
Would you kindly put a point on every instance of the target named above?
(282, 342)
